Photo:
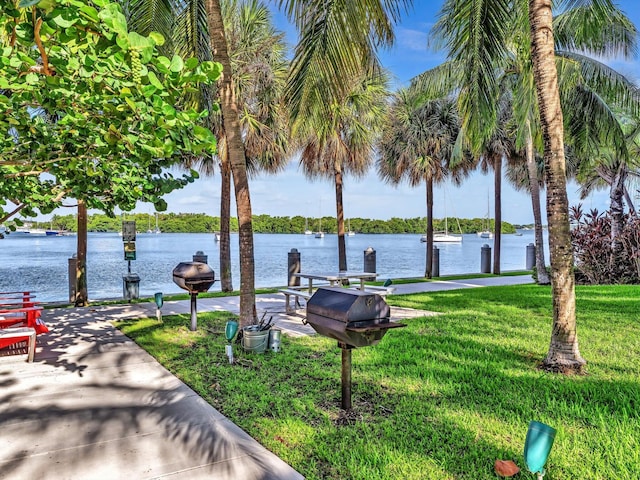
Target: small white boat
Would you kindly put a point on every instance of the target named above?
(308, 232)
(306, 227)
(485, 234)
(442, 237)
(216, 236)
(319, 235)
(350, 233)
(28, 232)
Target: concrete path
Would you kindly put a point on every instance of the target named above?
(94, 405)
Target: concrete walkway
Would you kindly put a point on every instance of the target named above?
(94, 405)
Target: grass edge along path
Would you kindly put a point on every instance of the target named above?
(441, 399)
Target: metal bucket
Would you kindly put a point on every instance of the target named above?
(274, 339)
(254, 340)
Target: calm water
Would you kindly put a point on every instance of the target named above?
(40, 264)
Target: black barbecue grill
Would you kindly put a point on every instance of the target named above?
(194, 277)
(354, 318)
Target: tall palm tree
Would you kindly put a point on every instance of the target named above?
(481, 50)
(341, 143)
(260, 71)
(564, 352)
(337, 46)
(237, 161)
(417, 145)
(257, 65)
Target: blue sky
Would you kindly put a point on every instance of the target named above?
(290, 193)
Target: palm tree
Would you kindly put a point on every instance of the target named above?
(563, 352)
(481, 52)
(237, 161)
(336, 52)
(342, 143)
(260, 70)
(338, 41)
(417, 145)
(258, 66)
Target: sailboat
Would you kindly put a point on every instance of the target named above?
(445, 236)
(486, 232)
(157, 230)
(350, 233)
(306, 227)
(319, 233)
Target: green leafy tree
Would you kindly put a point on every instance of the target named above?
(112, 117)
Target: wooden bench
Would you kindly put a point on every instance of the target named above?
(296, 293)
(22, 333)
(380, 290)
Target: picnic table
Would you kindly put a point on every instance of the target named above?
(332, 279)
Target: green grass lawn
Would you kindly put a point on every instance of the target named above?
(441, 399)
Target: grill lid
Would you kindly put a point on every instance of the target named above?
(193, 276)
(352, 317)
(348, 305)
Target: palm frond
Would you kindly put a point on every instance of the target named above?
(597, 27)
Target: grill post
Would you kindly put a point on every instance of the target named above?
(194, 311)
(346, 375)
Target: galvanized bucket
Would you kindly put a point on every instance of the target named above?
(274, 339)
(254, 340)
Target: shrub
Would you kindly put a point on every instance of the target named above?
(596, 261)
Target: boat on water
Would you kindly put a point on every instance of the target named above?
(24, 232)
(443, 237)
(306, 227)
(319, 233)
(350, 233)
(216, 236)
(486, 224)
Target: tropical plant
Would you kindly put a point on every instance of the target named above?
(597, 263)
(237, 161)
(564, 353)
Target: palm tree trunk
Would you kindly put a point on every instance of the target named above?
(226, 283)
(428, 271)
(82, 296)
(342, 248)
(563, 354)
(616, 210)
(497, 234)
(534, 189)
(237, 162)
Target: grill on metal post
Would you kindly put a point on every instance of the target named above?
(354, 318)
(194, 277)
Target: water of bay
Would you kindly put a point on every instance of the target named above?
(40, 264)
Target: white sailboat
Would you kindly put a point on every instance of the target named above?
(445, 236)
(306, 227)
(350, 233)
(319, 233)
(486, 232)
(157, 230)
